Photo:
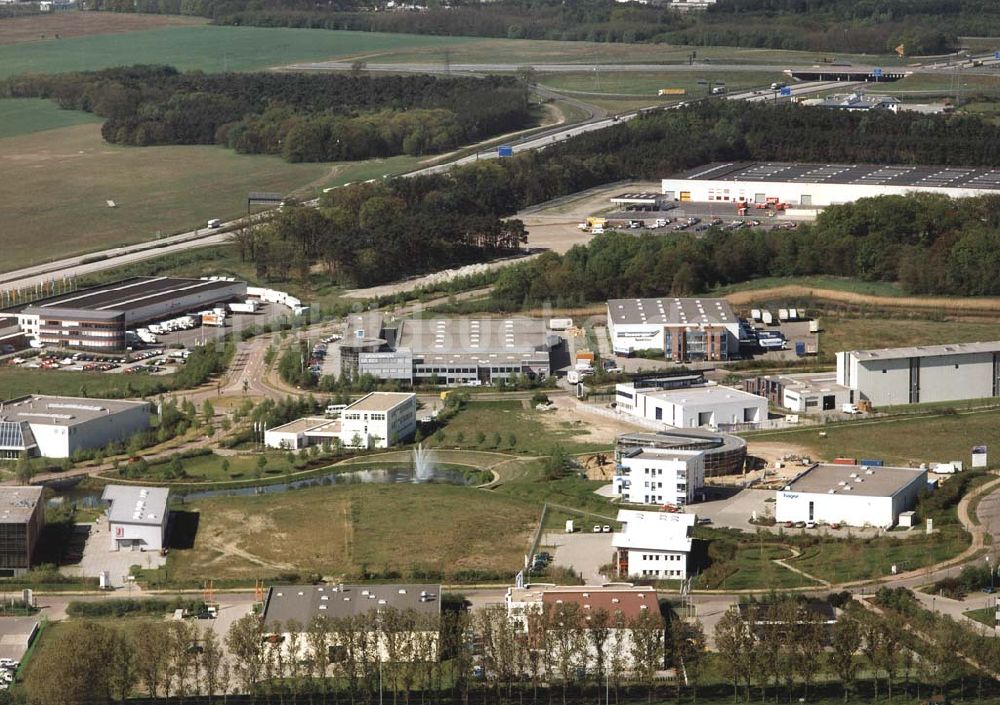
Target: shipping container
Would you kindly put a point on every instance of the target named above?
(755, 314)
(766, 317)
(800, 348)
(845, 461)
(814, 326)
(560, 323)
(872, 463)
(782, 314)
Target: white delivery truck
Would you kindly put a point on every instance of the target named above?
(215, 223)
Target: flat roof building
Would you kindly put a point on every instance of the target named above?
(850, 494)
(452, 350)
(819, 185)
(22, 517)
(377, 420)
(660, 476)
(723, 454)
(57, 427)
(814, 392)
(711, 406)
(921, 374)
(653, 544)
(95, 318)
(303, 603)
(137, 517)
(682, 329)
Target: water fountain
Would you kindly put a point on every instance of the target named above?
(423, 464)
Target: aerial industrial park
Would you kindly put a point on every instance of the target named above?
(404, 357)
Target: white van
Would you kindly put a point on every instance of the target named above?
(215, 223)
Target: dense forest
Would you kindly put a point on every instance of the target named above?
(314, 117)
(371, 233)
(860, 26)
(923, 241)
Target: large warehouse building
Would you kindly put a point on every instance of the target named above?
(96, 318)
(22, 516)
(711, 405)
(682, 329)
(850, 494)
(819, 185)
(927, 373)
(449, 350)
(57, 427)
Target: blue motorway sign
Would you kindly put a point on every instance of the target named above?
(786, 91)
(878, 73)
(505, 151)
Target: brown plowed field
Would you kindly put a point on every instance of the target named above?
(37, 28)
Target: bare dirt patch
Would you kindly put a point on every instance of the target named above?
(850, 297)
(64, 25)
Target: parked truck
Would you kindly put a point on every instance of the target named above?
(248, 306)
(766, 318)
(560, 323)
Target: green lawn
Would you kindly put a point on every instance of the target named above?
(901, 440)
(754, 568)
(533, 433)
(842, 561)
(18, 381)
(983, 615)
(158, 190)
(343, 532)
(21, 116)
(208, 48)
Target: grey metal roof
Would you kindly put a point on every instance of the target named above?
(63, 411)
(672, 311)
(109, 300)
(303, 602)
(864, 174)
(926, 351)
(870, 482)
(472, 336)
(135, 504)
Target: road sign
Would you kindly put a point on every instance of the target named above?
(877, 72)
(996, 55)
(786, 91)
(505, 151)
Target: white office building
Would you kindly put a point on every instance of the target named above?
(682, 329)
(663, 477)
(850, 494)
(921, 374)
(378, 420)
(137, 517)
(57, 427)
(653, 544)
(711, 406)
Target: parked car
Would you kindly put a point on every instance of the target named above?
(597, 528)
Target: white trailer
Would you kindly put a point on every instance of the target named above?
(766, 318)
(248, 306)
(755, 314)
(782, 314)
(560, 323)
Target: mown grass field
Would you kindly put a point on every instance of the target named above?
(22, 116)
(338, 531)
(926, 438)
(17, 381)
(754, 568)
(849, 333)
(56, 184)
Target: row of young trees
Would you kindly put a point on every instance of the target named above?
(356, 659)
(853, 26)
(303, 117)
(782, 647)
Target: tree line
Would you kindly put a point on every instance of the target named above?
(446, 657)
(926, 242)
(861, 26)
(304, 118)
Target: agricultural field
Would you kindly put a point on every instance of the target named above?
(907, 440)
(60, 26)
(157, 190)
(343, 531)
(22, 116)
(205, 47)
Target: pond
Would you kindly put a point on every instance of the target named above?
(70, 491)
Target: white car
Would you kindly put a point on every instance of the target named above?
(597, 528)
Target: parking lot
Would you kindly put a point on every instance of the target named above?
(98, 556)
(16, 635)
(585, 552)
